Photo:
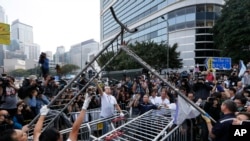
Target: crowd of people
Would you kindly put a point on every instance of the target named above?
(225, 97)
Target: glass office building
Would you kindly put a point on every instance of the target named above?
(186, 22)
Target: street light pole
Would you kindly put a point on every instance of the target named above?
(167, 29)
(81, 55)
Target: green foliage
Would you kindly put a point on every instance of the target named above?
(152, 53)
(19, 73)
(232, 30)
(68, 68)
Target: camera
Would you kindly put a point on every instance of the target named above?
(4, 82)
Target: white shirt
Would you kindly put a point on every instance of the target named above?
(160, 101)
(153, 99)
(108, 103)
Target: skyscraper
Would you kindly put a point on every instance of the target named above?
(186, 22)
(79, 52)
(3, 19)
(60, 55)
(23, 34)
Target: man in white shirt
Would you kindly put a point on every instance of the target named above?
(108, 104)
(153, 96)
(162, 101)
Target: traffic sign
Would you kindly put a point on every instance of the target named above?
(218, 63)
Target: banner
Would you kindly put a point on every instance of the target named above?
(4, 33)
(184, 111)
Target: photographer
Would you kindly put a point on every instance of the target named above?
(9, 95)
(139, 86)
(201, 89)
(36, 101)
(50, 86)
(44, 61)
(5, 121)
(233, 79)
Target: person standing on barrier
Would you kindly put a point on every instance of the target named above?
(108, 105)
(52, 134)
(220, 131)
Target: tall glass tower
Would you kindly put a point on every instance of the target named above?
(186, 22)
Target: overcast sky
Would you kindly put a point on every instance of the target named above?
(57, 22)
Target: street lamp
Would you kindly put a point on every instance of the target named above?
(167, 29)
(81, 55)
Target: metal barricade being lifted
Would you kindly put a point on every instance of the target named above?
(150, 126)
(91, 129)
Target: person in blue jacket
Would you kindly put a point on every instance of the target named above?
(44, 61)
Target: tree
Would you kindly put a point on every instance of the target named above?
(69, 68)
(154, 54)
(19, 73)
(232, 30)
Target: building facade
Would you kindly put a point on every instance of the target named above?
(185, 22)
(59, 56)
(13, 64)
(21, 32)
(3, 19)
(79, 52)
(23, 35)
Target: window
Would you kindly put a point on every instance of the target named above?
(200, 8)
(210, 15)
(204, 38)
(205, 46)
(200, 23)
(190, 24)
(190, 10)
(209, 23)
(210, 8)
(180, 12)
(171, 15)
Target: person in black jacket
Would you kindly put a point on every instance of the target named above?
(202, 89)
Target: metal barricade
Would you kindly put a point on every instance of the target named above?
(147, 127)
(91, 130)
(180, 133)
(91, 114)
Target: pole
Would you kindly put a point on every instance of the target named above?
(167, 44)
(167, 33)
(81, 54)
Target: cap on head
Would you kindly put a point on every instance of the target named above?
(32, 77)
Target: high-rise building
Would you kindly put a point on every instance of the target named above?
(79, 52)
(3, 19)
(21, 32)
(186, 22)
(23, 35)
(60, 55)
(3, 16)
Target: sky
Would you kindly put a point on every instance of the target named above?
(57, 22)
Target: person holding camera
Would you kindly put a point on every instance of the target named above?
(5, 121)
(202, 89)
(50, 86)
(9, 95)
(44, 61)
